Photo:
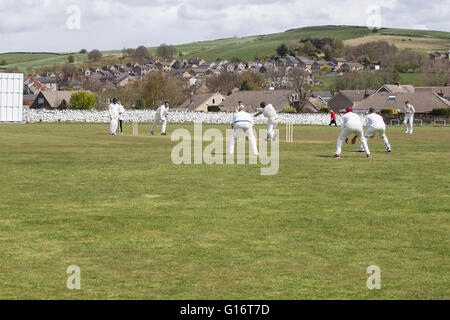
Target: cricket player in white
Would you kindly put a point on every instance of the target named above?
(409, 111)
(269, 112)
(113, 110)
(161, 116)
(351, 125)
(375, 125)
(238, 107)
(242, 121)
(121, 112)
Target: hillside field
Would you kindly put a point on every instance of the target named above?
(141, 227)
(245, 48)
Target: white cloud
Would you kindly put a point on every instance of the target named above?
(40, 25)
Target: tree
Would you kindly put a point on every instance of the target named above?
(128, 53)
(69, 70)
(276, 77)
(71, 59)
(3, 63)
(252, 81)
(82, 101)
(63, 105)
(298, 80)
(83, 51)
(142, 54)
(224, 82)
(308, 48)
(95, 55)
(160, 88)
(166, 51)
(282, 50)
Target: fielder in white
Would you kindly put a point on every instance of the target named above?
(114, 109)
(409, 111)
(351, 125)
(242, 121)
(375, 125)
(161, 116)
(269, 112)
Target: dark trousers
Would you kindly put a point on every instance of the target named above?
(333, 122)
(120, 126)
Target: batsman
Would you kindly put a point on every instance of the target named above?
(269, 112)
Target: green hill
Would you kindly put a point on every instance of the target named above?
(246, 47)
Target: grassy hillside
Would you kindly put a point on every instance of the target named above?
(423, 44)
(246, 47)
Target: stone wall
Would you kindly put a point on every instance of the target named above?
(36, 115)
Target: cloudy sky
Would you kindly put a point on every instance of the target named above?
(70, 25)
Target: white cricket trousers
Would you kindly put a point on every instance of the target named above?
(163, 121)
(372, 132)
(247, 127)
(346, 132)
(113, 126)
(271, 126)
(409, 119)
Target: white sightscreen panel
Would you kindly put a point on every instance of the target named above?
(11, 97)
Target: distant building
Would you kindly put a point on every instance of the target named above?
(423, 101)
(351, 67)
(252, 99)
(347, 98)
(396, 88)
(201, 102)
(52, 99)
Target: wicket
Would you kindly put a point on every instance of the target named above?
(135, 129)
(289, 132)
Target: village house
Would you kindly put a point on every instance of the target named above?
(252, 99)
(318, 64)
(423, 102)
(141, 70)
(196, 62)
(339, 62)
(52, 99)
(347, 98)
(165, 66)
(182, 73)
(229, 67)
(201, 72)
(396, 88)
(86, 72)
(201, 102)
(305, 63)
(32, 87)
(71, 84)
(443, 92)
(49, 84)
(351, 67)
(255, 64)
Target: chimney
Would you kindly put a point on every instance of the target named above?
(397, 84)
(366, 94)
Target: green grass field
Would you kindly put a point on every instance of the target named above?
(140, 227)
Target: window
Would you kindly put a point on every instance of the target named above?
(214, 101)
(41, 101)
(392, 98)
